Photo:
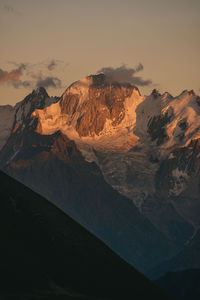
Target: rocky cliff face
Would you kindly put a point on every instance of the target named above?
(92, 109)
(99, 103)
(178, 179)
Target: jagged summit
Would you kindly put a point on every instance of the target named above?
(40, 91)
(15, 118)
(98, 79)
(189, 92)
(155, 93)
(166, 94)
(36, 97)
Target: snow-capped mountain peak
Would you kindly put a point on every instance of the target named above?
(92, 110)
(129, 130)
(15, 118)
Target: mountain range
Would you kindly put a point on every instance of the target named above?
(53, 166)
(125, 166)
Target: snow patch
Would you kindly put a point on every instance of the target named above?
(171, 156)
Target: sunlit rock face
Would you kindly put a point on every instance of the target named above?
(92, 101)
(92, 110)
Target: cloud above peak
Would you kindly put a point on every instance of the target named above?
(32, 75)
(123, 74)
(12, 76)
(49, 81)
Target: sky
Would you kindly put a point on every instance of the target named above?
(150, 43)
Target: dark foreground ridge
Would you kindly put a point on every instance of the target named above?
(45, 254)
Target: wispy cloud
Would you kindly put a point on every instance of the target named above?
(9, 9)
(123, 74)
(21, 83)
(56, 63)
(29, 76)
(49, 81)
(53, 64)
(13, 76)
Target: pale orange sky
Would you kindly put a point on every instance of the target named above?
(83, 36)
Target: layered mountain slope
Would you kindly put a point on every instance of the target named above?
(44, 254)
(53, 166)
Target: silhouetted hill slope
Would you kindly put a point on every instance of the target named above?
(44, 252)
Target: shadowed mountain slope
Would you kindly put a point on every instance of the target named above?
(43, 252)
(182, 285)
(53, 166)
(187, 259)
